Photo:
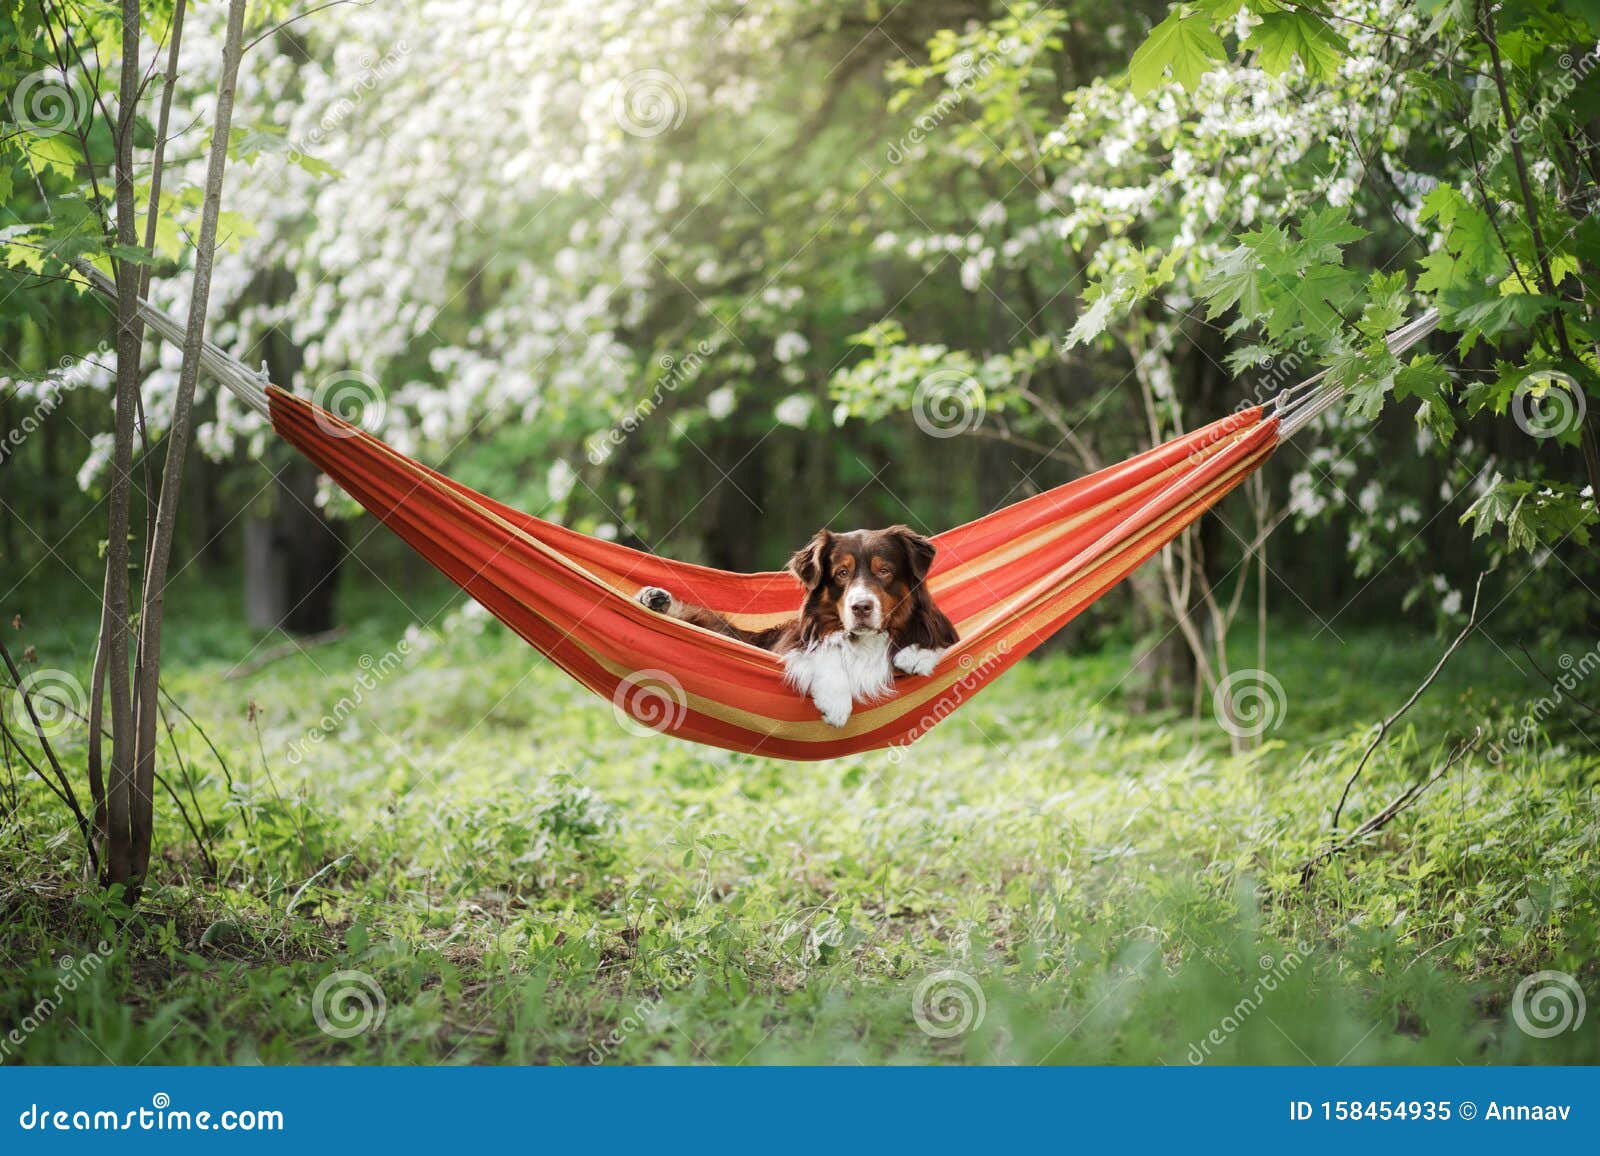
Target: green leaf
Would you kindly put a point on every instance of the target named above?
(1485, 109)
(1468, 231)
(1386, 305)
(20, 249)
(1445, 273)
(1367, 378)
(1219, 10)
(1325, 231)
(55, 151)
(1425, 379)
(1249, 357)
(1495, 395)
(169, 240)
(1184, 43)
(1316, 300)
(1496, 315)
(232, 229)
(1281, 37)
(1491, 509)
(1458, 13)
(315, 166)
(1104, 298)
(133, 254)
(1536, 515)
(1586, 10)
(1235, 279)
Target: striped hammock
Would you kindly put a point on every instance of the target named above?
(1008, 580)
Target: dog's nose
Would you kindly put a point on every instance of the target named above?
(862, 608)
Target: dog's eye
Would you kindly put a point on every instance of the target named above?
(842, 573)
(885, 573)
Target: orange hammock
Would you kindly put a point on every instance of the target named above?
(1008, 580)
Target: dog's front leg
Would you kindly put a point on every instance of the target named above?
(655, 598)
(816, 673)
(834, 704)
(918, 660)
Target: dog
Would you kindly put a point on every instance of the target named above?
(867, 613)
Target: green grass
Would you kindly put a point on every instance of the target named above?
(524, 881)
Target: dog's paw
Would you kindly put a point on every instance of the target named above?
(835, 712)
(654, 598)
(919, 660)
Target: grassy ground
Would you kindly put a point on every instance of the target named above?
(477, 864)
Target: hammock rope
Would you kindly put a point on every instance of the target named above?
(1008, 580)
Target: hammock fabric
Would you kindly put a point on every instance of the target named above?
(1008, 580)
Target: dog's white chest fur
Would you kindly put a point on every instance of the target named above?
(841, 670)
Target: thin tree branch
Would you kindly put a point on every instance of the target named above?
(284, 650)
(1399, 803)
(1383, 727)
(153, 212)
(299, 16)
(66, 794)
(1523, 646)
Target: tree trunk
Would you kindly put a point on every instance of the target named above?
(118, 858)
(1164, 670)
(734, 540)
(210, 519)
(309, 548)
(265, 583)
(291, 559)
(152, 611)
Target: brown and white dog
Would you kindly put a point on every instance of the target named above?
(866, 615)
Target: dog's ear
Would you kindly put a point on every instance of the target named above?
(919, 550)
(810, 562)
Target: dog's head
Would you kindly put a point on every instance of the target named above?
(869, 580)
